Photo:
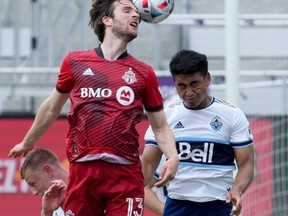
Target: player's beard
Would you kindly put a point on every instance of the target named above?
(119, 31)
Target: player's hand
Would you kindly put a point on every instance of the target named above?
(19, 149)
(53, 198)
(168, 171)
(234, 196)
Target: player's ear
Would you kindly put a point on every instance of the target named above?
(49, 170)
(208, 78)
(106, 20)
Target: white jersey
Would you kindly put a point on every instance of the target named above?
(59, 212)
(205, 140)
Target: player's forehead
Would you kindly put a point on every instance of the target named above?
(187, 77)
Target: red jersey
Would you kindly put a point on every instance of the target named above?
(107, 99)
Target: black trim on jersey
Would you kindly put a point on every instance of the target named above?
(154, 109)
(100, 53)
(61, 90)
(242, 143)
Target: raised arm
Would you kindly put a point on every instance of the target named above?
(45, 116)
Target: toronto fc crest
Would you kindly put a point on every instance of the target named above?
(129, 76)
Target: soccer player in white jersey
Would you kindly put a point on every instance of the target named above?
(211, 136)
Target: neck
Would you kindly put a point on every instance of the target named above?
(113, 49)
(62, 174)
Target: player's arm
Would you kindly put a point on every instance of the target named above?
(150, 160)
(166, 142)
(245, 162)
(46, 114)
(151, 200)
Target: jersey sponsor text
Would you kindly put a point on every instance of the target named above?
(196, 155)
(99, 92)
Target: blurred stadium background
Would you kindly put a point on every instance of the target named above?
(35, 35)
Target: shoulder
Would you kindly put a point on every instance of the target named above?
(82, 54)
(173, 107)
(228, 110)
(137, 64)
(226, 105)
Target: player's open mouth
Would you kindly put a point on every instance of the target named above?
(134, 24)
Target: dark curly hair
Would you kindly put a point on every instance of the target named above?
(101, 8)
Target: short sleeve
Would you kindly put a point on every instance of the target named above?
(241, 135)
(152, 100)
(64, 82)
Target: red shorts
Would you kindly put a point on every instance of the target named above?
(98, 186)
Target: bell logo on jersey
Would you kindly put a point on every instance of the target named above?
(125, 95)
(196, 155)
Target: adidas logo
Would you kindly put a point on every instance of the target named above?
(88, 72)
(179, 125)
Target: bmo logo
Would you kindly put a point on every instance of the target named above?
(125, 95)
(98, 93)
(187, 152)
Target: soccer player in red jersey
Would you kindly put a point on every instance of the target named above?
(107, 88)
